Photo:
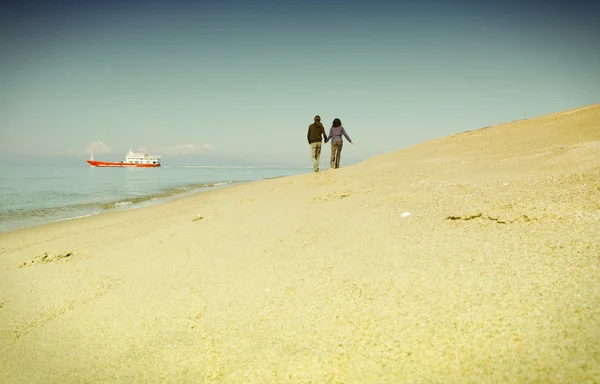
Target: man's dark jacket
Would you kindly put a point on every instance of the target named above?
(315, 132)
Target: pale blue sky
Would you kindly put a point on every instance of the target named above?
(241, 80)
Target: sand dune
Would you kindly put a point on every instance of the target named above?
(471, 258)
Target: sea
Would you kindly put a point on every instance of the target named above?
(35, 195)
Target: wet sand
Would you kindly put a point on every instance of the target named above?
(471, 258)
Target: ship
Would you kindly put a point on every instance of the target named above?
(132, 159)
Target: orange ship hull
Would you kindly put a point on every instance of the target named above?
(95, 163)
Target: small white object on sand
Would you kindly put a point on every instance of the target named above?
(405, 214)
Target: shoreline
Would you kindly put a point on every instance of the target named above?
(176, 199)
(138, 202)
(125, 207)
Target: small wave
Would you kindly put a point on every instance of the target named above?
(163, 195)
(220, 184)
(45, 212)
(22, 218)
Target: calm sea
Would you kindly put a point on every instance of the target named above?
(31, 196)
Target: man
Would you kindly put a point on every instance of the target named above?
(316, 133)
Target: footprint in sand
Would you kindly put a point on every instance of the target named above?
(47, 258)
(330, 197)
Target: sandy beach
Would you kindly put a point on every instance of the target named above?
(473, 258)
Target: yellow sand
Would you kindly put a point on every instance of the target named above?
(493, 277)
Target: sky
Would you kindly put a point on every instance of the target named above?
(239, 81)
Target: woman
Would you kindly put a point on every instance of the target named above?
(335, 135)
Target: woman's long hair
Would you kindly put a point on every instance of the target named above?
(337, 122)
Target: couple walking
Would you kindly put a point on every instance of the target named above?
(316, 131)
